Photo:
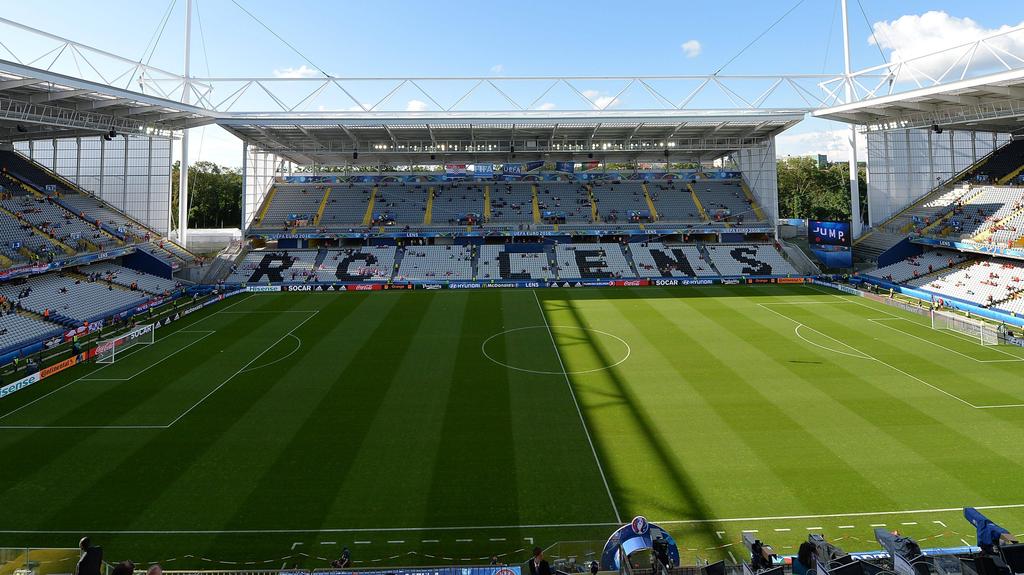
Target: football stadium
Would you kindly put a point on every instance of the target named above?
(510, 324)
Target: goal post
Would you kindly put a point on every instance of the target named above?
(983, 331)
(108, 349)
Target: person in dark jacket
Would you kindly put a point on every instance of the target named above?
(805, 559)
(91, 560)
(539, 566)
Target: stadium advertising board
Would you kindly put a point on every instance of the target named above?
(19, 385)
(831, 243)
(495, 570)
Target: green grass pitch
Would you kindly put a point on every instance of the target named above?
(444, 427)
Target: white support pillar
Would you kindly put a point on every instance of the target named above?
(183, 173)
(245, 184)
(851, 141)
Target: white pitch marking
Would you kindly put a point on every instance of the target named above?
(296, 544)
(463, 540)
(496, 539)
(847, 526)
(396, 541)
(957, 509)
(782, 529)
(964, 542)
(750, 531)
(814, 528)
(909, 523)
(240, 370)
(940, 523)
(732, 557)
(720, 534)
(429, 541)
(362, 542)
(579, 411)
(328, 542)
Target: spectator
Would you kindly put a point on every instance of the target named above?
(91, 560)
(155, 569)
(804, 561)
(125, 567)
(538, 565)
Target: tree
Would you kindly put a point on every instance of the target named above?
(818, 193)
(215, 195)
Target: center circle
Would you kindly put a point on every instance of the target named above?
(524, 341)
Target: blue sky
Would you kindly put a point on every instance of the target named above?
(528, 37)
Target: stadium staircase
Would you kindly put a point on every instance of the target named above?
(262, 213)
(696, 202)
(758, 212)
(428, 213)
(474, 260)
(487, 203)
(320, 210)
(536, 204)
(399, 256)
(707, 258)
(368, 216)
(594, 215)
(650, 202)
(628, 253)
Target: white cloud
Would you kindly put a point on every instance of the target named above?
(916, 35)
(300, 72)
(692, 48)
(600, 102)
(829, 142)
(547, 106)
(497, 68)
(415, 106)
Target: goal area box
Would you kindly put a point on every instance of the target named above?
(108, 349)
(983, 331)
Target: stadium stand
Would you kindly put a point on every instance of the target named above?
(616, 200)
(436, 263)
(22, 243)
(748, 259)
(918, 266)
(500, 262)
(983, 211)
(457, 204)
(70, 300)
(128, 277)
(564, 200)
(346, 206)
(375, 263)
(275, 266)
(655, 259)
(591, 261)
(287, 200)
(984, 282)
(674, 202)
(724, 200)
(400, 204)
(511, 203)
(60, 224)
(1000, 164)
(18, 329)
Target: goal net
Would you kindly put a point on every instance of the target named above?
(108, 349)
(984, 332)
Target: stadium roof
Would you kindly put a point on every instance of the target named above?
(977, 85)
(465, 137)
